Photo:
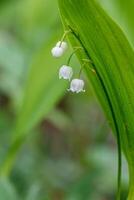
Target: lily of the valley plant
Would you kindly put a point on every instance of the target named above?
(112, 60)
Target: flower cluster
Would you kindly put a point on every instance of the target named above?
(66, 72)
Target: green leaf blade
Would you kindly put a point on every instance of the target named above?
(112, 58)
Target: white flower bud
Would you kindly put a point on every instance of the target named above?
(65, 72)
(77, 86)
(57, 52)
(63, 45)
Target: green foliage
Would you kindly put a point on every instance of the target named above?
(122, 12)
(7, 190)
(112, 58)
(42, 91)
(66, 150)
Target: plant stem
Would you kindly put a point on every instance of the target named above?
(69, 60)
(119, 167)
(131, 183)
(64, 36)
(6, 167)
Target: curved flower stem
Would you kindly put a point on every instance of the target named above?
(86, 61)
(76, 49)
(82, 67)
(119, 167)
(64, 36)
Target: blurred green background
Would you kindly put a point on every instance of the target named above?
(54, 145)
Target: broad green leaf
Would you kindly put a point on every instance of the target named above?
(43, 90)
(122, 12)
(35, 16)
(35, 19)
(112, 60)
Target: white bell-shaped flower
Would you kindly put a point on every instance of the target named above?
(77, 86)
(57, 52)
(65, 72)
(63, 45)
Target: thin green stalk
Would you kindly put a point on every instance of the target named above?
(64, 36)
(82, 67)
(119, 167)
(6, 167)
(70, 57)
